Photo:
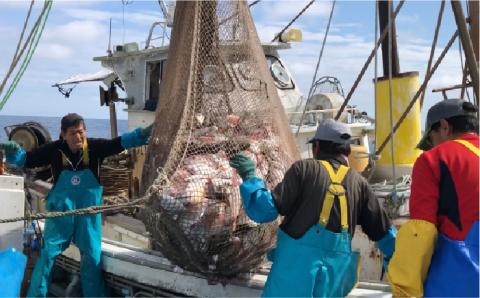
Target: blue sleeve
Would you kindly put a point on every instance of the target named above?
(12, 267)
(17, 158)
(387, 243)
(133, 139)
(258, 201)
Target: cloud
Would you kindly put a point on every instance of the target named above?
(267, 32)
(332, 38)
(53, 51)
(286, 10)
(76, 32)
(408, 18)
(24, 4)
(347, 25)
(14, 5)
(142, 18)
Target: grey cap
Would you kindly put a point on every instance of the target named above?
(333, 131)
(443, 110)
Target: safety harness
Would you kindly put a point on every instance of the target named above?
(85, 157)
(469, 146)
(335, 190)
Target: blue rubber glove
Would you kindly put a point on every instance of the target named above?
(10, 147)
(244, 166)
(147, 131)
(14, 153)
(387, 246)
(137, 137)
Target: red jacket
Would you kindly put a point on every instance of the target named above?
(445, 187)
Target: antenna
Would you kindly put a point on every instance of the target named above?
(109, 50)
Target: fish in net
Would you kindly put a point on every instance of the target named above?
(217, 99)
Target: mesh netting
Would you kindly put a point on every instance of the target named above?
(218, 99)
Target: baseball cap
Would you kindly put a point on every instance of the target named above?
(443, 110)
(333, 131)
(70, 120)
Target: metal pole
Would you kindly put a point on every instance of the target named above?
(474, 24)
(113, 120)
(375, 71)
(385, 9)
(434, 44)
(390, 100)
(467, 44)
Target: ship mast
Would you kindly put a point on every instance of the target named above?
(384, 9)
(468, 39)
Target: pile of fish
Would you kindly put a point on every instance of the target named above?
(203, 197)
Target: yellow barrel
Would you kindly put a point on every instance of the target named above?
(404, 87)
(358, 158)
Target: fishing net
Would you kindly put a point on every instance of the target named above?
(217, 99)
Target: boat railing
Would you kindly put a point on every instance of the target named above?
(313, 117)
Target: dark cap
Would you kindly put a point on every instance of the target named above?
(443, 110)
(333, 131)
(70, 120)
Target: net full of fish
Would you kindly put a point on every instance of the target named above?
(217, 99)
(203, 196)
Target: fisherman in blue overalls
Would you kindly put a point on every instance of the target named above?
(322, 200)
(75, 162)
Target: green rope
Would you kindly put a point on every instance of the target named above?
(31, 50)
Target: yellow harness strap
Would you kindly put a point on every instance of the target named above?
(335, 190)
(469, 146)
(85, 156)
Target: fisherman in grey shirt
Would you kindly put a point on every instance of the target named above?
(322, 200)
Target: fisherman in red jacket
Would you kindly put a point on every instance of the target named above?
(436, 252)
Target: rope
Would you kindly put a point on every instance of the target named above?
(17, 55)
(254, 3)
(383, 189)
(310, 92)
(417, 95)
(293, 20)
(434, 44)
(464, 88)
(84, 211)
(464, 66)
(23, 29)
(369, 59)
(371, 157)
(36, 33)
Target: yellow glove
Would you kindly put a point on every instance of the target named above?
(409, 265)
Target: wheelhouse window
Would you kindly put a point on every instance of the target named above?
(279, 73)
(155, 72)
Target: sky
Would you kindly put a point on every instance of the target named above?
(77, 31)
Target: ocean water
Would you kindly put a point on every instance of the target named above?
(96, 128)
